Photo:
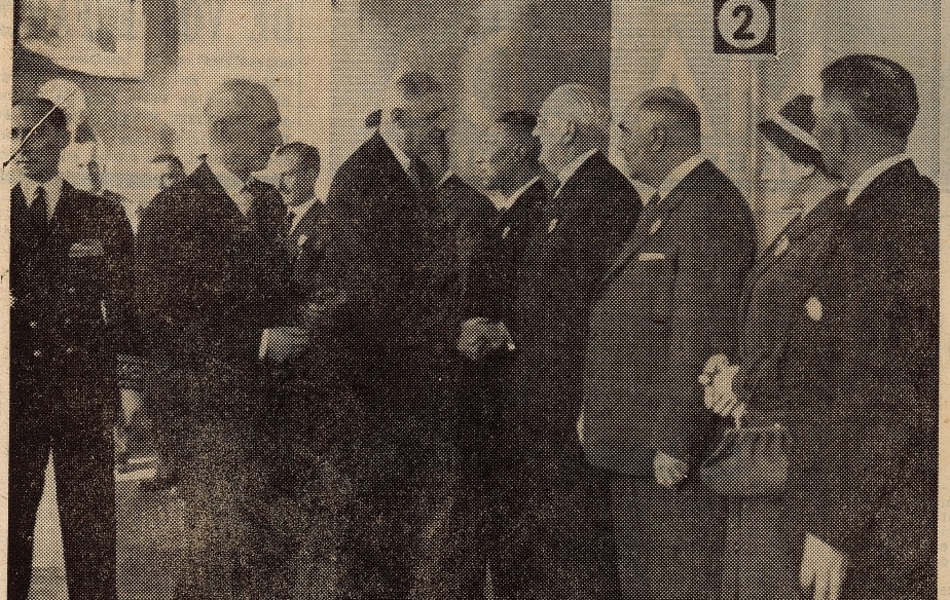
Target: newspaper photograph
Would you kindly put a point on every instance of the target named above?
(472, 300)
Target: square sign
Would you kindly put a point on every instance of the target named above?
(744, 26)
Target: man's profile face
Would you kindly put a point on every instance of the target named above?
(295, 181)
(424, 121)
(38, 159)
(831, 117)
(496, 155)
(256, 134)
(633, 142)
(549, 131)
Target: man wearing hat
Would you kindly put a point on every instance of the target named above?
(757, 560)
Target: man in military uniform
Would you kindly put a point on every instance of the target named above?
(70, 276)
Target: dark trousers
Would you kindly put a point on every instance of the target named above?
(670, 542)
(556, 536)
(72, 420)
(409, 529)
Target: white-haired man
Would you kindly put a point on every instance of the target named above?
(213, 288)
(558, 536)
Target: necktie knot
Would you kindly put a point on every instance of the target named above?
(654, 200)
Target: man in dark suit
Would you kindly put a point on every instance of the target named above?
(70, 275)
(557, 540)
(864, 353)
(213, 288)
(507, 162)
(397, 261)
(667, 301)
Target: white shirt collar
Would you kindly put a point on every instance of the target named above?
(233, 186)
(567, 172)
(677, 175)
(395, 138)
(867, 178)
(448, 174)
(508, 202)
(300, 210)
(53, 187)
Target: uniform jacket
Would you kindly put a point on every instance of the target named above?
(583, 228)
(71, 291)
(210, 280)
(864, 352)
(664, 305)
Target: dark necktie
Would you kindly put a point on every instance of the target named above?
(39, 213)
(654, 200)
(288, 223)
(421, 173)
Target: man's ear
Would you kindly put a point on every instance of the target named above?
(569, 133)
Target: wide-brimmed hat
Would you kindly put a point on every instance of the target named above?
(791, 131)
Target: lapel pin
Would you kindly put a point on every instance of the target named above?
(656, 226)
(505, 232)
(552, 225)
(302, 240)
(814, 309)
(781, 246)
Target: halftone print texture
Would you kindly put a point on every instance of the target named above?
(312, 316)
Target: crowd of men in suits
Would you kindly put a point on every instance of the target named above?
(437, 395)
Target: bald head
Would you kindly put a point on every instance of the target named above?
(659, 130)
(243, 120)
(572, 120)
(868, 108)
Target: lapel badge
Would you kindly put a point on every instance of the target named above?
(656, 226)
(781, 246)
(552, 225)
(506, 231)
(302, 240)
(814, 308)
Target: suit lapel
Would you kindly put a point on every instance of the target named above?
(652, 218)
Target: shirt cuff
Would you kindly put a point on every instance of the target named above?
(262, 351)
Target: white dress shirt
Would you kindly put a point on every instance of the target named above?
(507, 202)
(233, 186)
(53, 188)
(867, 178)
(395, 138)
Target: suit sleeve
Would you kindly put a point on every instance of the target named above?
(118, 304)
(713, 261)
(885, 424)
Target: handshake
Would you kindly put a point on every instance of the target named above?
(479, 336)
(718, 395)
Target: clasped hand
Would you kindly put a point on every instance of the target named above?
(718, 394)
(479, 336)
